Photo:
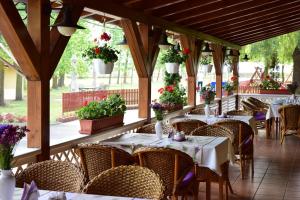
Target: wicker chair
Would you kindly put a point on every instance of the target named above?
(205, 174)
(174, 167)
(258, 113)
(150, 128)
(258, 103)
(53, 175)
(96, 158)
(289, 120)
(188, 125)
(240, 112)
(242, 143)
(127, 181)
(200, 111)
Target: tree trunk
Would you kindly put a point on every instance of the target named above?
(131, 82)
(54, 82)
(119, 73)
(125, 69)
(282, 73)
(2, 103)
(158, 74)
(296, 67)
(61, 80)
(109, 80)
(19, 88)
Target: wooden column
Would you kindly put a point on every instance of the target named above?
(235, 67)
(142, 42)
(218, 58)
(191, 65)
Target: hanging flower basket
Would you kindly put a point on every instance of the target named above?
(172, 68)
(103, 68)
(95, 125)
(207, 68)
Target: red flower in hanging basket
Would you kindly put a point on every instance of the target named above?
(85, 103)
(97, 51)
(161, 90)
(105, 37)
(170, 88)
(186, 51)
(234, 78)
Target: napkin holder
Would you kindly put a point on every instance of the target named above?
(30, 192)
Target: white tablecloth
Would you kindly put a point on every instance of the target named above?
(212, 119)
(44, 195)
(206, 151)
(276, 104)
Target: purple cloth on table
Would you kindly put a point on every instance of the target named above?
(260, 116)
(187, 179)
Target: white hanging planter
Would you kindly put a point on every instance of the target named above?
(207, 68)
(172, 68)
(103, 68)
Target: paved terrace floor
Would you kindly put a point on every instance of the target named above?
(277, 172)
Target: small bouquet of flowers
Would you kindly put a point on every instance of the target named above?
(230, 86)
(158, 110)
(9, 137)
(207, 94)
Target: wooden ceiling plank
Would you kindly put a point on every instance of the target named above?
(261, 27)
(124, 12)
(220, 10)
(17, 37)
(248, 21)
(267, 29)
(59, 42)
(182, 7)
(256, 23)
(242, 17)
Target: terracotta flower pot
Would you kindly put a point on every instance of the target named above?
(96, 125)
(281, 91)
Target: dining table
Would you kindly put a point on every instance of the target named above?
(206, 151)
(248, 119)
(46, 195)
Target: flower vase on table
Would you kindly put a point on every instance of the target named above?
(208, 95)
(10, 136)
(159, 114)
(207, 110)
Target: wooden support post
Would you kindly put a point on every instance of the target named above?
(235, 68)
(145, 98)
(218, 58)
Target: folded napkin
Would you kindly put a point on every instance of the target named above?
(30, 192)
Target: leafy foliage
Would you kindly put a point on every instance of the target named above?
(205, 60)
(208, 94)
(174, 55)
(171, 79)
(269, 84)
(111, 106)
(105, 53)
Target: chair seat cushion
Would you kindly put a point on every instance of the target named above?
(187, 179)
(260, 116)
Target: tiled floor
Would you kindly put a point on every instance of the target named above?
(277, 172)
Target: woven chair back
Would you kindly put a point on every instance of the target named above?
(53, 175)
(248, 106)
(188, 125)
(170, 164)
(197, 111)
(214, 130)
(96, 158)
(150, 128)
(127, 181)
(257, 102)
(241, 131)
(290, 117)
(239, 112)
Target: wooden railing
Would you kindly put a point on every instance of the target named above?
(249, 89)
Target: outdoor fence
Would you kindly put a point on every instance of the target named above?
(249, 89)
(72, 101)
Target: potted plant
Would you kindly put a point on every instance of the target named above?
(208, 95)
(173, 58)
(205, 61)
(96, 116)
(270, 86)
(172, 95)
(230, 86)
(159, 114)
(10, 137)
(103, 56)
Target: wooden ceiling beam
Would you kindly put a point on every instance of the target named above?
(267, 35)
(182, 7)
(262, 27)
(266, 30)
(256, 23)
(124, 12)
(248, 21)
(220, 10)
(244, 16)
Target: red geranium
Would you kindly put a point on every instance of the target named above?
(161, 90)
(105, 37)
(234, 78)
(169, 88)
(97, 50)
(85, 103)
(186, 51)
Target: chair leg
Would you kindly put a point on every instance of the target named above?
(208, 190)
(242, 167)
(252, 166)
(226, 190)
(282, 138)
(221, 189)
(229, 185)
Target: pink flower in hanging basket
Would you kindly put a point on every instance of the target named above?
(105, 37)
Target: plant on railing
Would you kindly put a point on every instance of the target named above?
(207, 94)
(231, 85)
(11, 118)
(173, 96)
(269, 84)
(292, 87)
(9, 138)
(96, 116)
